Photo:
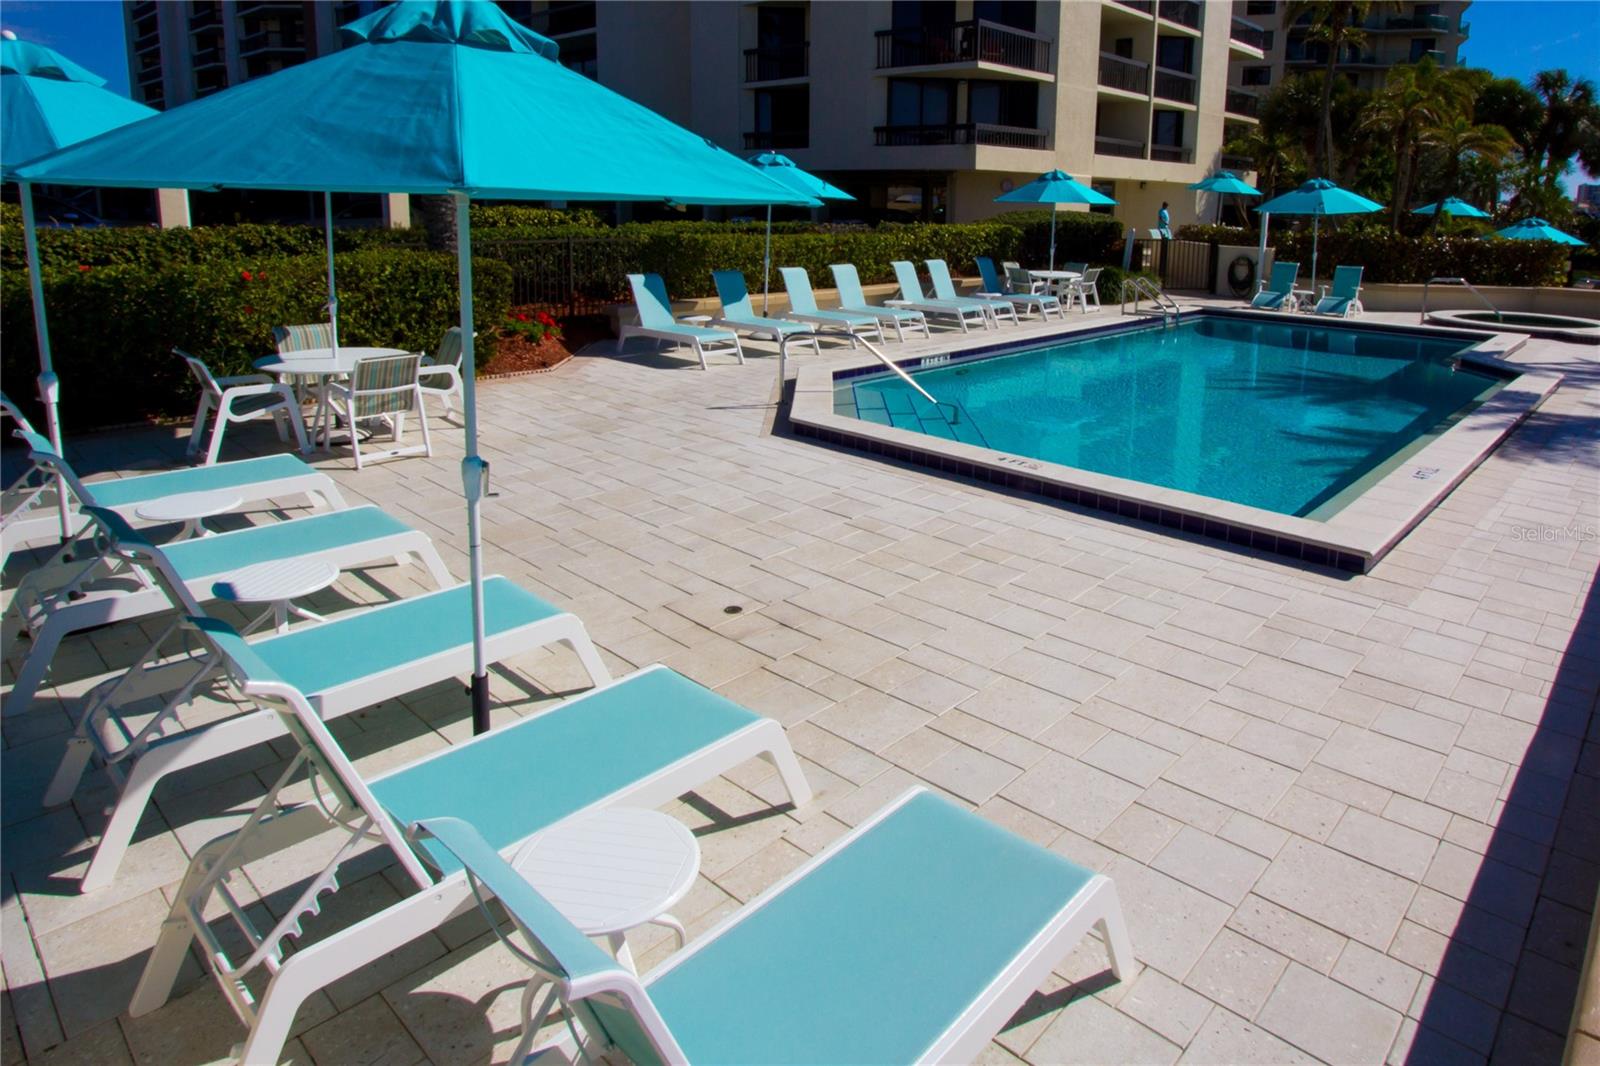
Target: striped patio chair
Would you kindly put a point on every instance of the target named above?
(386, 387)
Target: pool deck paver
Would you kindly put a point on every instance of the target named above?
(1351, 819)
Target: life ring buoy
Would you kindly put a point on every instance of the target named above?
(1242, 275)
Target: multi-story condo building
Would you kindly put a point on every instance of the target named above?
(921, 108)
(1395, 33)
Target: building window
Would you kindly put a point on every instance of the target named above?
(1107, 189)
(1018, 14)
(1166, 129)
(1256, 76)
(582, 54)
(783, 118)
(1421, 46)
(920, 14)
(925, 102)
(1261, 7)
(1268, 38)
(1004, 103)
(1175, 53)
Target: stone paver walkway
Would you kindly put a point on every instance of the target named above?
(1350, 819)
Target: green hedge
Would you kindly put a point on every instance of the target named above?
(149, 247)
(112, 328)
(509, 216)
(1392, 258)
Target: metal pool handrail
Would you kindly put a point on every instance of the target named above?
(1144, 288)
(1423, 317)
(890, 363)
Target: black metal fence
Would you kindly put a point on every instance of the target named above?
(1190, 265)
(564, 275)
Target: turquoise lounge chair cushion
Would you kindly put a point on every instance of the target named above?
(736, 306)
(348, 648)
(203, 557)
(519, 779)
(851, 298)
(870, 956)
(127, 491)
(1269, 299)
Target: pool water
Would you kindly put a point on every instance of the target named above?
(1285, 417)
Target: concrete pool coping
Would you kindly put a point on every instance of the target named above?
(1353, 540)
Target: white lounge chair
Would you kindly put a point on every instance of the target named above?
(944, 288)
(245, 398)
(106, 588)
(271, 478)
(851, 298)
(1024, 299)
(655, 321)
(355, 660)
(803, 308)
(642, 740)
(911, 297)
(913, 938)
(384, 387)
(1343, 298)
(740, 316)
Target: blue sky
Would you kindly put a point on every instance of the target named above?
(1513, 38)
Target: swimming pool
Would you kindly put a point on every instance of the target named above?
(1323, 441)
(1293, 418)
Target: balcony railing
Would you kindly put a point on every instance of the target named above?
(1433, 23)
(1237, 163)
(962, 133)
(1171, 153)
(212, 56)
(270, 41)
(1175, 85)
(1118, 146)
(149, 76)
(263, 7)
(1434, 54)
(1183, 12)
(1248, 33)
(963, 42)
(205, 19)
(1130, 75)
(1147, 6)
(1239, 102)
(776, 63)
(755, 140)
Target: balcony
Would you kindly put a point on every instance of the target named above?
(777, 63)
(1171, 153)
(267, 7)
(1183, 12)
(1248, 34)
(1175, 85)
(559, 19)
(978, 41)
(1146, 6)
(1239, 102)
(210, 56)
(271, 41)
(1118, 146)
(1434, 54)
(962, 133)
(210, 18)
(1406, 24)
(1238, 163)
(149, 76)
(758, 140)
(147, 38)
(1129, 75)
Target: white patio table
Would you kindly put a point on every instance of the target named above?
(1055, 280)
(323, 364)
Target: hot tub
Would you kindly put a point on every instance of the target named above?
(1559, 327)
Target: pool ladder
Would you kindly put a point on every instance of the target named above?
(1144, 288)
(1423, 317)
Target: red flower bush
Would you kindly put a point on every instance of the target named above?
(83, 268)
(245, 275)
(534, 328)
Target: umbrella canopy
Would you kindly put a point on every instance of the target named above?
(1226, 181)
(1537, 229)
(1453, 207)
(1056, 187)
(427, 97)
(782, 169)
(47, 102)
(1316, 198)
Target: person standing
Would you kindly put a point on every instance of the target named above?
(1164, 222)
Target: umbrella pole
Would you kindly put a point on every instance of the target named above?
(333, 297)
(1316, 220)
(49, 384)
(766, 266)
(474, 471)
(1261, 249)
(1052, 236)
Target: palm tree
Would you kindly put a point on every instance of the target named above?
(1571, 125)
(1276, 156)
(1416, 99)
(1336, 24)
(1458, 142)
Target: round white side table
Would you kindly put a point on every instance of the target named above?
(190, 508)
(279, 584)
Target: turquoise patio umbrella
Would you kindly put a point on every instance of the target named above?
(1225, 183)
(1056, 187)
(1537, 229)
(447, 97)
(1453, 207)
(1316, 198)
(780, 168)
(47, 102)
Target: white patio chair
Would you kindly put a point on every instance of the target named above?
(440, 373)
(1085, 288)
(385, 386)
(244, 398)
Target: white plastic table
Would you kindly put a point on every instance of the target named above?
(1054, 280)
(612, 870)
(277, 583)
(323, 364)
(190, 508)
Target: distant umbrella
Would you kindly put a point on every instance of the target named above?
(1537, 229)
(782, 169)
(1316, 198)
(1054, 188)
(1224, 183)
(1453, 207)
